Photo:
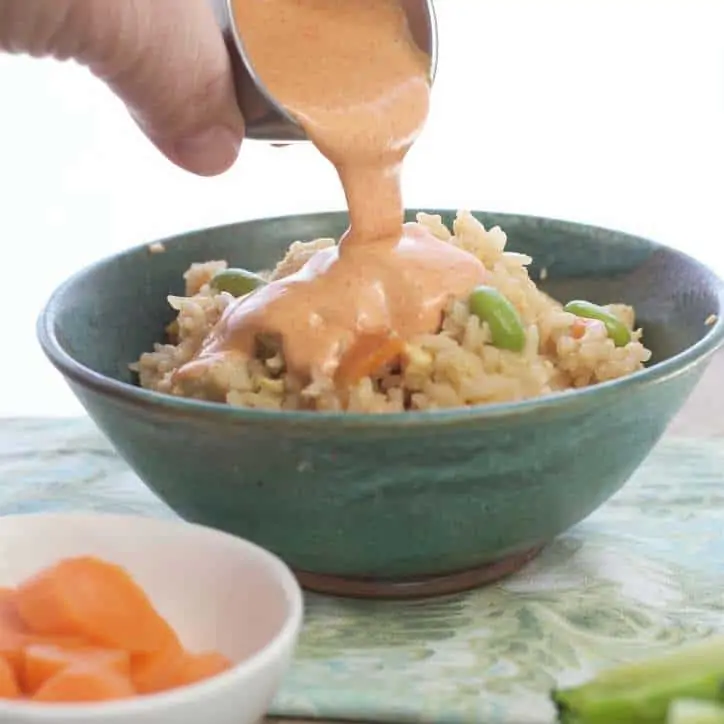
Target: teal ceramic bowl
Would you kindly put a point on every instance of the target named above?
(388, 505)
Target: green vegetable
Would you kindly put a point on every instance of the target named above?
(641, 692)
(506, 328)
(236, 282)
(693, 711)
(616, 329)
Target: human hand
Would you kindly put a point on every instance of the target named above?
(165, 59)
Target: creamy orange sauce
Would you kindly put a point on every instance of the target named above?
(349, 72)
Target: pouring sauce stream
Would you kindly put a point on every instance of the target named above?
(351, 75)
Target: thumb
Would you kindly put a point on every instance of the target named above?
(170, 66)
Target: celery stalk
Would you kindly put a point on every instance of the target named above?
(693, 711)
(707, 654)
(648, 703)
(640, 693)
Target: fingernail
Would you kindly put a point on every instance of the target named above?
(210, 152)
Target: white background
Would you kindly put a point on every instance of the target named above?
(604, 111)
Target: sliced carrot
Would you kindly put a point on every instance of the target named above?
(197, 667)
(367, 356)
(85, 684)
(190, 669)
(43, 661)
(13, 632)
(11, 648)
(150, 672)
(83, 630)
(10, 618)
(15, 635)
(13, 644)
(9, 688)
(95, 600)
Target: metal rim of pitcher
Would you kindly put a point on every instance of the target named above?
(269, 98)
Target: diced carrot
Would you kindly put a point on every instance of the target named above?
(43, 661)
(149, 672)
(578, 328)
(94, 600)
(580, 325)
(85, 684)
(190, 669)
(367, 356)
(9, 688)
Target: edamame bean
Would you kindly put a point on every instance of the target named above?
(236, 282)
(506, 328)
(618, 332)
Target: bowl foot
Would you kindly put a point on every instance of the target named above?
(424, 587)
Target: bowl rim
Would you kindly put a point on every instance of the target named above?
(221, 412)
(273, 650)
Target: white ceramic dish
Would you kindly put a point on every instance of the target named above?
(216, 590)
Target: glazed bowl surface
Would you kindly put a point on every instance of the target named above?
(400, 504)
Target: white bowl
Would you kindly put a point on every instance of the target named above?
(216, 590)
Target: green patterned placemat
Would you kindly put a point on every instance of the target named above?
(644, 573)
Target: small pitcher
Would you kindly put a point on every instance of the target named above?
(266, 119)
